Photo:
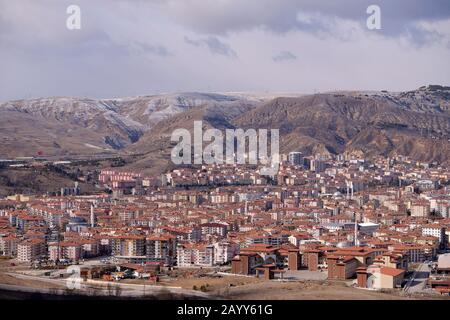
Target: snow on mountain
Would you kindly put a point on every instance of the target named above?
(149, 110)
(105, 123)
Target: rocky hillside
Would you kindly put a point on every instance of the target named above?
(64, 126)
(414, 123)
(382, 123)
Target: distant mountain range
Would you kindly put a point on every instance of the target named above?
(414, 123)
(64, 126)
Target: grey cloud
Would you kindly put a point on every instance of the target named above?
(214, 45)
(42, 31)
(421, 37)
(284, 56)
(134, 47)
(399, 17)
(152, 49)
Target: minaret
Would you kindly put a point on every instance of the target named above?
(351, 186)
(92, 216)
(355, 236)
(347, 189)
(58, 254)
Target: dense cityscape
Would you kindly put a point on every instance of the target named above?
(219, 159)
(378, 224)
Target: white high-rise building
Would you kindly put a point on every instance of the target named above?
(296, 158)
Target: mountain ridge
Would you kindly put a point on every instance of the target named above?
(414, 123)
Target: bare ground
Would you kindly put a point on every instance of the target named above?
(309, 290)
(243, 288)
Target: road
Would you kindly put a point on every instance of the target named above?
(418, 280)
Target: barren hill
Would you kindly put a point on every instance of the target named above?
(414, 123)
(336, 123)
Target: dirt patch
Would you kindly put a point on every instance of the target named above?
(203, 283)
(308, 290)
(8, 279)
(211, 283)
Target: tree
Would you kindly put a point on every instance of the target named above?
(118, 290)
(110, 289)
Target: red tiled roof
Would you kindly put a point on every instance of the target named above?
(391, 271)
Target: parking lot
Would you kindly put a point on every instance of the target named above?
(305, 275)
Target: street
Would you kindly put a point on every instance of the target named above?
(418, 280)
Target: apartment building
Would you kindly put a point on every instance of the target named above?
(420, 208)
(65, 250)
(414, 253)
(31, 250)
(91, 248)
(441, 206)
(214, 228)
(224, 251)
(50, 215)
(436, 231)
(296, 158)
(161, 248)
(128, 246)
(25, 222)
(185, 234)
(8, 246)
(189, 255)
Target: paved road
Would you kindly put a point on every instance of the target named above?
(418, 280)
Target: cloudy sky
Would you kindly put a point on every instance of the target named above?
(137, 47)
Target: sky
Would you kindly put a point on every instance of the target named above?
(136, 47)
